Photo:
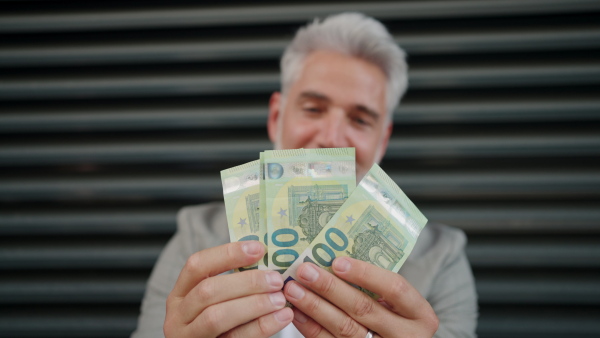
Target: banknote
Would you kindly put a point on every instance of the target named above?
(263, 264)
(377, 224)
(241, 193)
(304, 188)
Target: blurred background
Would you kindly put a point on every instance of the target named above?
(114, 114)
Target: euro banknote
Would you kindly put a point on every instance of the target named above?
(241, 192)
(304, 188)
(377, 224)
(263, 264)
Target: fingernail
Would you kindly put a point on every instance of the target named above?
(283, 315)
(251, 248)
(309, 273)
(274, 279)
(301, 317)
(295, 291)
(341, 264)
(277, 299)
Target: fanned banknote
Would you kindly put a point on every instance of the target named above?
(304, 189)
(377, 224)
(242, 197)
(262, 265)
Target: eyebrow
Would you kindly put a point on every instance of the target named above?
(365, 110)
(359, 107)
(314, 95)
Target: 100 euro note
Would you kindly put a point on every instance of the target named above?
(263, 264)
(378, 224)
(242, 197)
(304, 189)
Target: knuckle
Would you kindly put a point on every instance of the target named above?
(363, 273)
(194, 262)
(168, 328)
(257, 279)
(263, 326)
(313, 304)
(313, 331)
(232, 252)
(264, 303)
(205, 290)
(328, 286)
(212, 320)
(398, 288)
(433, 323)
(363, 307)
(171, 299)
(232, 334)
(348, 328)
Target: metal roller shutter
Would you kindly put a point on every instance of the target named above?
(115, 114)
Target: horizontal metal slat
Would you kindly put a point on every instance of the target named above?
(542, 185)
(519, 322)
(266, 82)
(132, 153)
(138, 86)
(94, 119)
(115, 222)
(136, 53)
(108, 256)
(481, 254)
(68, 325)
(174, 52)
(126, 119)
(454, 147)
(538, 290)
(399, 148)
(491, 112)
(555, 254)
(513, 290)
(510, 220)
(474, 219)
(483, 41)
(505, 76)
(198, 17)
(69, 291)
(495, 325)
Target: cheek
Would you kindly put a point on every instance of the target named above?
(366, 149)
(297, 134)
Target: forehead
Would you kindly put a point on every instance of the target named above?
(345, 80)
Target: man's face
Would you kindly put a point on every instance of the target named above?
(337, 101)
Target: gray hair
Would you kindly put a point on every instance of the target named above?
(352, 34)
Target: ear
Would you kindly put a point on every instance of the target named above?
(274, 115)
(387, 133)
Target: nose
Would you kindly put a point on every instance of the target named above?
(332, 133)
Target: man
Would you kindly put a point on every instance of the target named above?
(341, 80)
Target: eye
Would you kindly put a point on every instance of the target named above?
(362, 122)
(312, 109)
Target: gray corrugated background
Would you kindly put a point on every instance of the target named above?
(115, 114)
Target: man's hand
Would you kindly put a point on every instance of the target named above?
(329, 307)
(245, 304)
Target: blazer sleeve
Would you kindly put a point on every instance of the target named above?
(453, 295)
(198, 227)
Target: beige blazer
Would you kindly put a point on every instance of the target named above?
(437, 267)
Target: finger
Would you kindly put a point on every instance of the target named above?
(222, 317)
(399, 295)
(265, 326)
(226, 287)
(360, 307)
(213, 261)
(334, 320)
(308, 327)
